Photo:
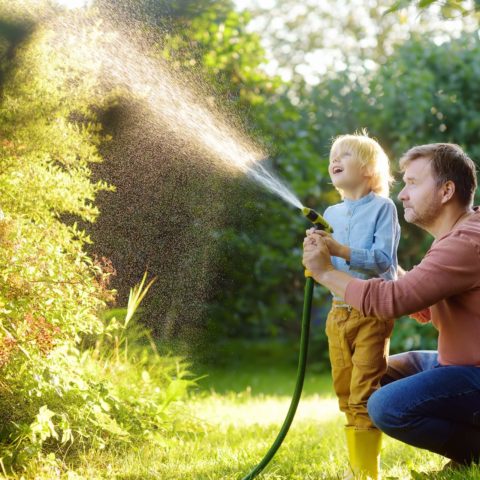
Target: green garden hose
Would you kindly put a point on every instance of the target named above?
(319, 223)
(302, 360)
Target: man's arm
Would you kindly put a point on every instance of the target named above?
(423, 316)
(450, 267)
(335, 280)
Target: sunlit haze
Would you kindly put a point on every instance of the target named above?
(73, 3)
(178, 103)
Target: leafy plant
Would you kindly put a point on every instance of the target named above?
(58, 394)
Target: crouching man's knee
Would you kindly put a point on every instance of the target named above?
(383, 412)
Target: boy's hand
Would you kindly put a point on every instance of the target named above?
(336, 249)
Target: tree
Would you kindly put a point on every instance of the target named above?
(449, 9)
(56, 394)
(180, 240)
(316, 39)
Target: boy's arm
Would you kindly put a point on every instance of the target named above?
(335, 248)
(378, 258)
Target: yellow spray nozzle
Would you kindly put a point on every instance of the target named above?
(319, 222)
(317, 219)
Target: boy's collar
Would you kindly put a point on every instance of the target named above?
(360, 201)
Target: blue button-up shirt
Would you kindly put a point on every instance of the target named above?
(369, 226)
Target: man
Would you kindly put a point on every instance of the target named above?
(428, 399)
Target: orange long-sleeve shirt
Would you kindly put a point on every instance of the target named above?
(448, 281)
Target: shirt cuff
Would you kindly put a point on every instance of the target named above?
(354, 293)
(358, 258)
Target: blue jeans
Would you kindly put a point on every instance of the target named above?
(429, 405)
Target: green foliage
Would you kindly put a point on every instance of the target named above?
(189, 263)
(160, 13)
(76, 399)
(314, 40)
(449, 9)
(245, 254)
(72, 379)
(50, 290)
(242, 407)
(423, 93)
(438, 102)
(59, 396)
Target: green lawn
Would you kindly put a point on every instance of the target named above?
(240, 407)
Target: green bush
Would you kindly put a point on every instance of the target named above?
(64, 385)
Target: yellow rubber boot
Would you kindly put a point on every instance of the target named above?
(350, 437)
(364, 452)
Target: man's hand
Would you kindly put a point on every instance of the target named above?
(316, 259)
(335, 248)
(316, 256)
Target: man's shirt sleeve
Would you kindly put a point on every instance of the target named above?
(450, 267)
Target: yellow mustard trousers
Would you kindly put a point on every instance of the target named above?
(358, 348)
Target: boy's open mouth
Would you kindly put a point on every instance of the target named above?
(337, 170)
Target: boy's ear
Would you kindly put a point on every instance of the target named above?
(367, 173)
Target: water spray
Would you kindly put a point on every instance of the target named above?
(117, 58)
(320, 224)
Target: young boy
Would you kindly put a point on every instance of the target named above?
(364, 244)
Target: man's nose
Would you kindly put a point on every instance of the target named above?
(402, 195)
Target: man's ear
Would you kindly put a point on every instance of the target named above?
(448, 190)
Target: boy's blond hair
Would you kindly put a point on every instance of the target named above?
(373, 160)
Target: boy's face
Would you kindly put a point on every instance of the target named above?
(344, 170)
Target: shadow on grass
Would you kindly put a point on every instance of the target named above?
(262, 368)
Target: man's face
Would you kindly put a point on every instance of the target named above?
(421, 197)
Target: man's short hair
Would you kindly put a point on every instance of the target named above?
(449, 162)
